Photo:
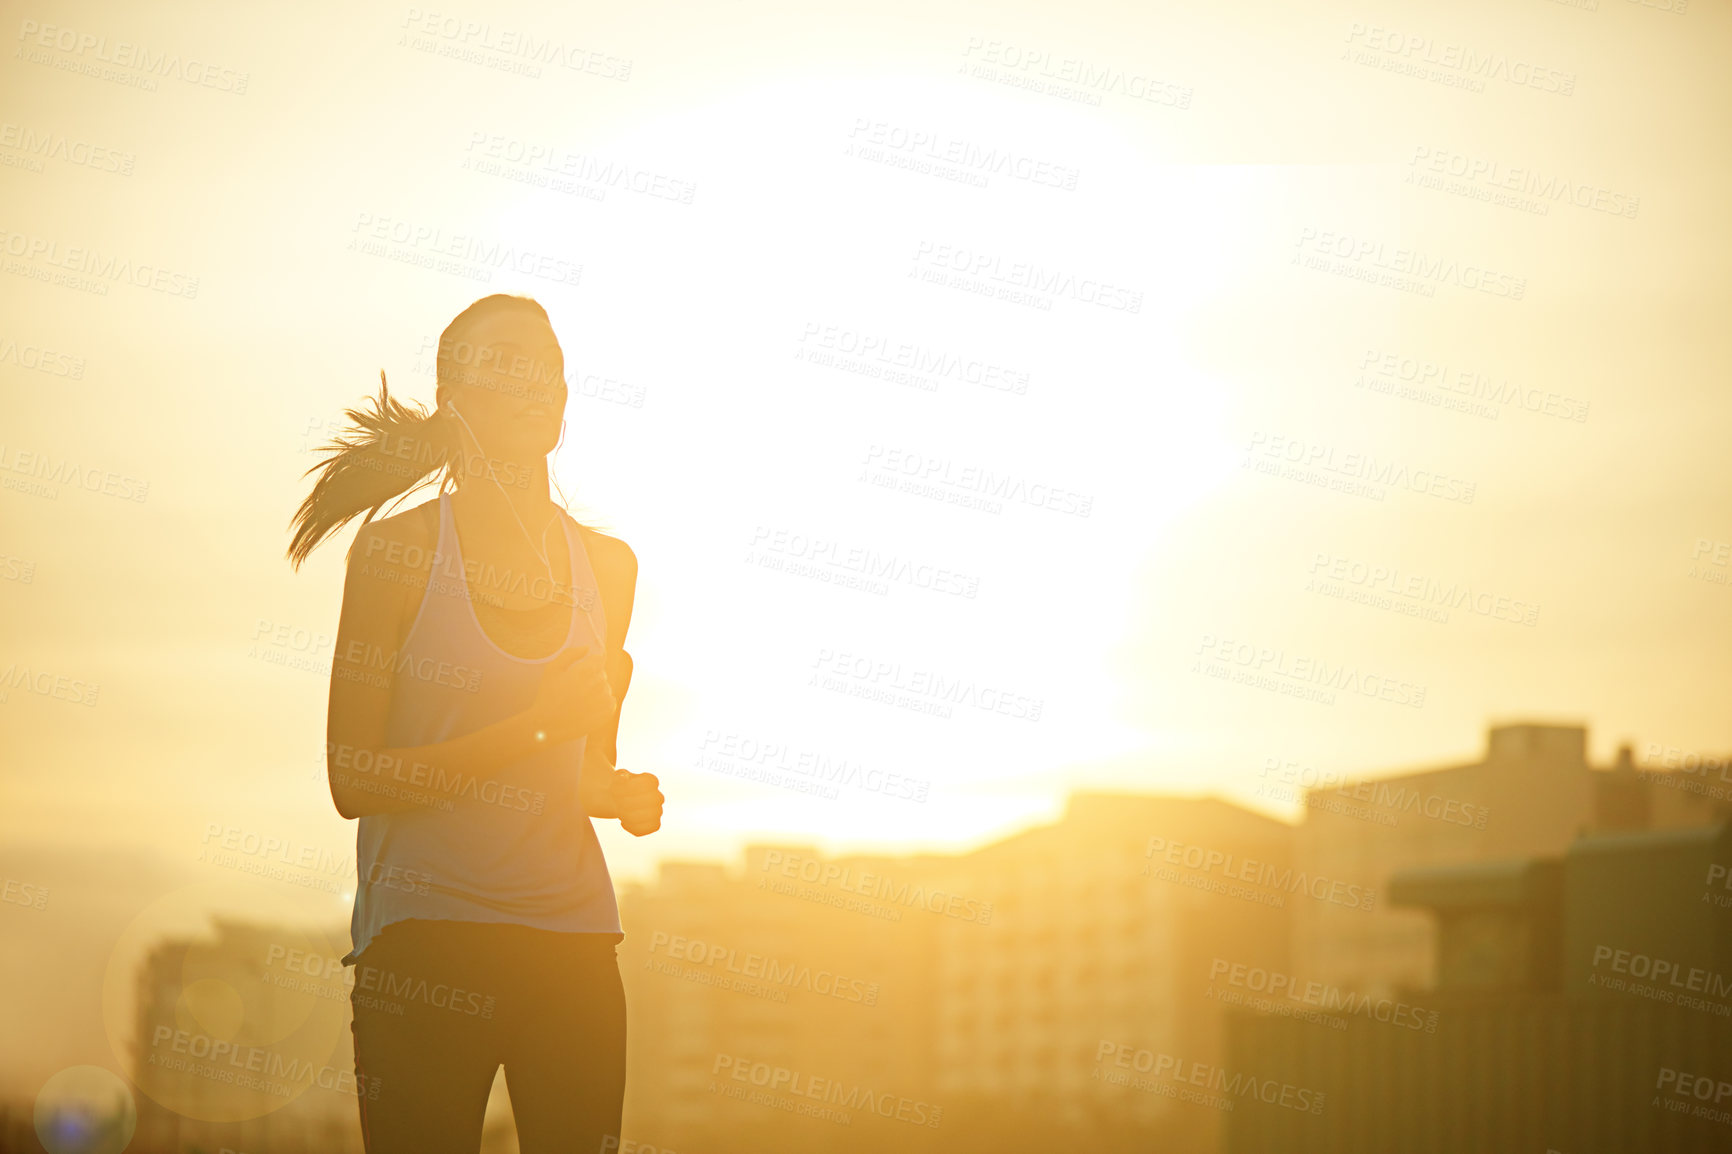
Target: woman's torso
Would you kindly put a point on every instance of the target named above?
(519, 849)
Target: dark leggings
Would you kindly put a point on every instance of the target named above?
(440, 1006)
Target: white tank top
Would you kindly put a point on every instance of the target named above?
(491, 858)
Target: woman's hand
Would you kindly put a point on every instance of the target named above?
(637, 798)
(634, 798)
(574, 698)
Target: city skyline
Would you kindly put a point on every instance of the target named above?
(786, 955)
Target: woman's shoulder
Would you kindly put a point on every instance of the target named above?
(609, 551)
(615, 567)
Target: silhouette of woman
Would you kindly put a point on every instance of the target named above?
(475, 692)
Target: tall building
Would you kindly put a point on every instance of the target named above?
(797, 974)
(1583, 1002)
(1531, 794)
(1105, 930)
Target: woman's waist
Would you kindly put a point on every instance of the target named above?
(444, 886)
(517, 879)
(521, 805)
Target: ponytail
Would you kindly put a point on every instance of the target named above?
(392, 450)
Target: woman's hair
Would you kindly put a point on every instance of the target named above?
(391, 449)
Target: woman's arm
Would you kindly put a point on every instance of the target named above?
(601, 755)
(604, 790)
(369, 777)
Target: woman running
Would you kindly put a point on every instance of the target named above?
(475, 693)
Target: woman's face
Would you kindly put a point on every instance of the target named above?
(508, 382)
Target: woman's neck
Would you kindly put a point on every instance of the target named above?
(514, 486)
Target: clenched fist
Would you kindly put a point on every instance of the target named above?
(634, 798)
(638, 799)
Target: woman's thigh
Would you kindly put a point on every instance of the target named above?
(564, 1042)
(425, 1056)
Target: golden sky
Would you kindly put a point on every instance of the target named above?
(1275, 326)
